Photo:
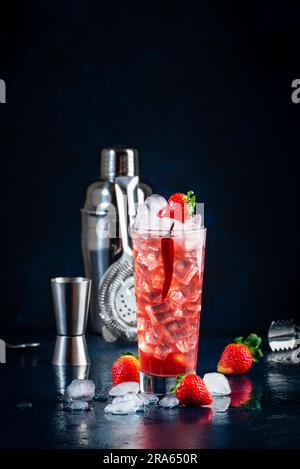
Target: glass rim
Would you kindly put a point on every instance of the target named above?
(149, 230)
(70, 280)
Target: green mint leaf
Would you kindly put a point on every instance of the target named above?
(190, 199)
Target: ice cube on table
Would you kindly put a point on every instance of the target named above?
(124, 388)
(217, 384)
(148, 398)
(80, 390)
(76, 406)
(169, 401)
(219, 403)
(129, 396)
(124, 407)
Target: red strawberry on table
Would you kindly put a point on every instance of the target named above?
(237, 358)
(191, 391)
(126, 368)
(179, 207)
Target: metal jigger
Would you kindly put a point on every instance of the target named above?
(71, 296)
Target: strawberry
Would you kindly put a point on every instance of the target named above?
(179, 207)
(191, 391)
(126, 368)
(237, 358)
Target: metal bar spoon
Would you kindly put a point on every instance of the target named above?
(23, 346)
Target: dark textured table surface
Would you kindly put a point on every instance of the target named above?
(265, 411)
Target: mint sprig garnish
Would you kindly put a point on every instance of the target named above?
(190, 199)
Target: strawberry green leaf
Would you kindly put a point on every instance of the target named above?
(178, 380)
(253, 341)
(124, 354)
(256, 354)
(239, 340)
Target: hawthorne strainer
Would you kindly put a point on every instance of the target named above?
(116, 293)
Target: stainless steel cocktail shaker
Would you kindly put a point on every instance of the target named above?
(100, 252)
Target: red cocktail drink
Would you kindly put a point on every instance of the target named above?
(168, 316)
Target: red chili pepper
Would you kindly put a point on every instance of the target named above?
(167, 254)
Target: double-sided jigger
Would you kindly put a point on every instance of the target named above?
(71, 296)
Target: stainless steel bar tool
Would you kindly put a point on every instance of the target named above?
(71, 297)
(30, 345)
(116, 290)
(100, 252)
(287, 357)
(283, 335)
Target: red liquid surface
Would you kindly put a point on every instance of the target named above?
(168, 329)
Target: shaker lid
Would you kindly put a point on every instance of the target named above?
(119, 162)
(114, 162)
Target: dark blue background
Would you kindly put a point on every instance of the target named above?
(203, 90)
